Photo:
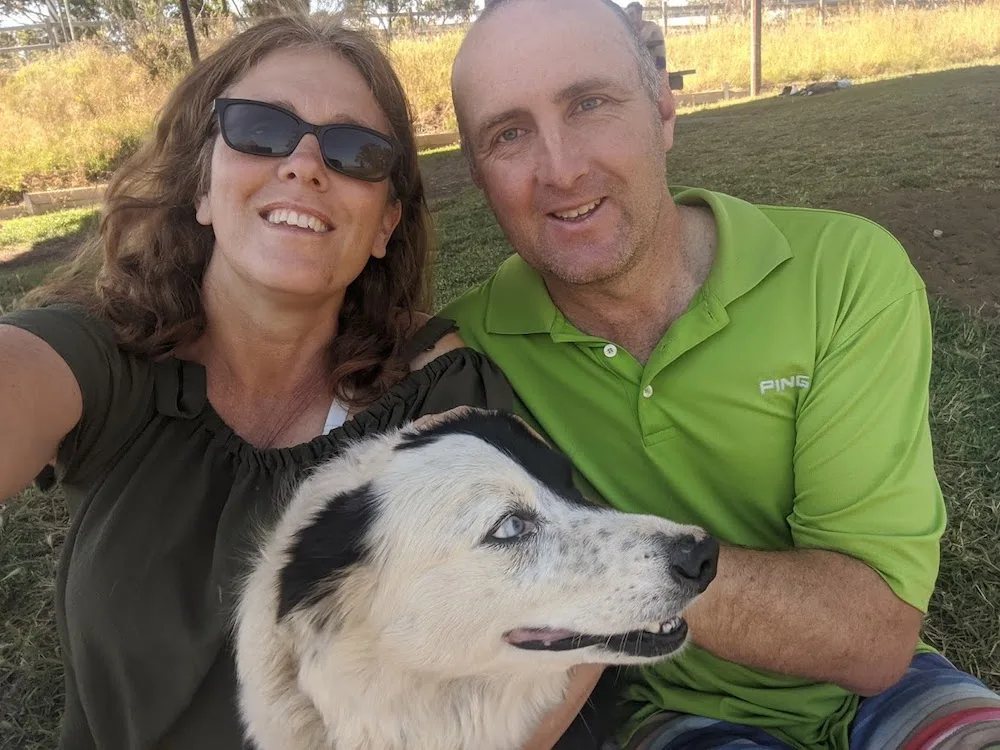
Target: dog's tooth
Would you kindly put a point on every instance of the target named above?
(653, 627)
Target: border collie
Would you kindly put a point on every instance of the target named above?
(430, 587)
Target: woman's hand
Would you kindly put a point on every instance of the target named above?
(582, 680)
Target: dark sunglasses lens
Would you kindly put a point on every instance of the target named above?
(357, 153)
(254, 129)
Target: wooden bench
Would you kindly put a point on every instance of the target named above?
(676, 78)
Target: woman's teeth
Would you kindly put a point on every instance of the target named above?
(296, 219)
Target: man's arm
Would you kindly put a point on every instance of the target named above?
(845, 605)
(814, 614)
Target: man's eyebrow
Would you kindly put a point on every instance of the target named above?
(586, 86)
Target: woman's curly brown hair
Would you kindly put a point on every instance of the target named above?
(142, 272)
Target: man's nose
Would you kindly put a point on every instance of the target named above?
(562, 161)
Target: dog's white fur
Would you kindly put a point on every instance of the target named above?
(407, 649)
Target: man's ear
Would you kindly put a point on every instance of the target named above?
(473, 172)
(668, 110)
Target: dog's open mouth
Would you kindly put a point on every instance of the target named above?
(656, 639)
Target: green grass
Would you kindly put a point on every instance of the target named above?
(938, 131)
(965, 411)
(931, 131)
(29, 230)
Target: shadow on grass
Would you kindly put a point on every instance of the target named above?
(53, 251)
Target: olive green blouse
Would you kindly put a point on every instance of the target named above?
(162, 495)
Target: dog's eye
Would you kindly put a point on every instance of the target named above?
(512, 527)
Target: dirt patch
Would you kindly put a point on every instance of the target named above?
(963, 262)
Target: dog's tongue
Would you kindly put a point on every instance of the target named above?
(545, 635)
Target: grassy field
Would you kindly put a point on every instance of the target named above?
(858, 149)
(79, 111)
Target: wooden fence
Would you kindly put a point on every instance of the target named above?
(675, 16)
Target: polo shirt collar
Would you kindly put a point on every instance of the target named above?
(519, 302)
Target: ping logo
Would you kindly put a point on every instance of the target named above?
(781, 384)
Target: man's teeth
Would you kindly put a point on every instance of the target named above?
(295, 219)
(666, 628)
(579, 211)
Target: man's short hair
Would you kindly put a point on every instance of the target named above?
(649, 76)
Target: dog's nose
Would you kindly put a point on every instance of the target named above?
(692, 562)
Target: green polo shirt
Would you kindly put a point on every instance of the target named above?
(786, 408)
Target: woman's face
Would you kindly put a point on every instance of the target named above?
(253, 201)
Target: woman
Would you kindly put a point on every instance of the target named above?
(251, 302)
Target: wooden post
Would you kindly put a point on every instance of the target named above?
(72, 33)
(822, 11)
(755, 48)
(189, 31)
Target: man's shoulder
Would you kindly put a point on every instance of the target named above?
(846, 251)
(650, 30)
(832, 248)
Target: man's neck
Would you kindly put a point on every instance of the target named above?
(635, 309)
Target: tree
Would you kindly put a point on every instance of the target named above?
(390, 15)
(51, 12)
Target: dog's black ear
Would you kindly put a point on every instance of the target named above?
(325, 549)
(510, 436)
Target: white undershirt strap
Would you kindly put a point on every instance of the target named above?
(335, 417)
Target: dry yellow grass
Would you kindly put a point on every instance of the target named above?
(72, 115)
(424, 66)
(850, 46)
(76, 112)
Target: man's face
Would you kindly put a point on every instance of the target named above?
(634, 16)
(567, 146)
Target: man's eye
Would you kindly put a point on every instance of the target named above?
(591, 102)
(508, 135)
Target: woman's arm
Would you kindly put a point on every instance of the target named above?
(40, 402)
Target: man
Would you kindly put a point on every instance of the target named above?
(650, 33)
(760, 371)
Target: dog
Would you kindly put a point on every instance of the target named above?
(430, 588)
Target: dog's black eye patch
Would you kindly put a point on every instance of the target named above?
(333, 542)
(510, 436)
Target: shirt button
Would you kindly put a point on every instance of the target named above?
(610, 350)
(647, 391)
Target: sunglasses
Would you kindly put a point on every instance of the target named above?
(262, 129)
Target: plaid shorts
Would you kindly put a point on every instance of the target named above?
(933, 707)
